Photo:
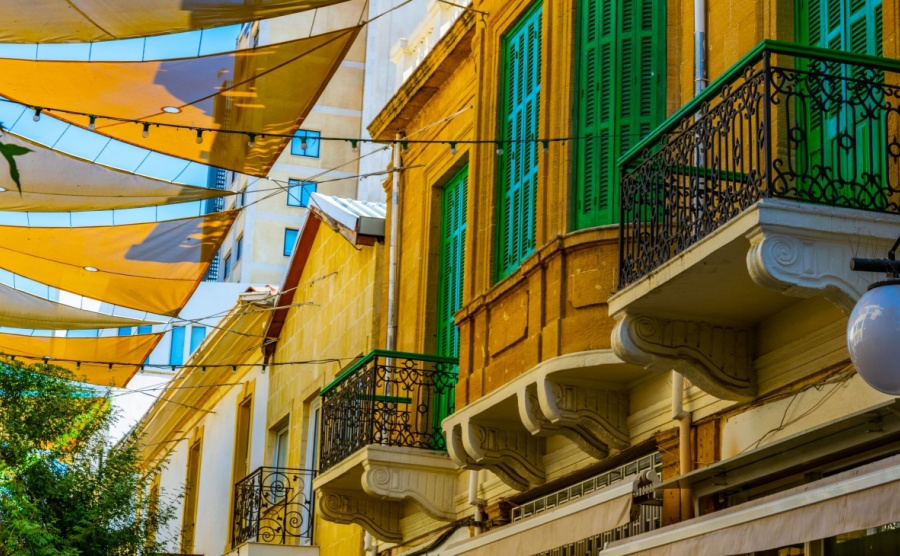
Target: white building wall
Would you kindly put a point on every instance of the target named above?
(214, 498)
(380, 83)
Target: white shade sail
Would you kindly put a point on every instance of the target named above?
(19, 309)
(55, 182)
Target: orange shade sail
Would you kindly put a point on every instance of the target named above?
(264, 90)
(152, 267)
(129, 352)
(55, 182)
(98, 20)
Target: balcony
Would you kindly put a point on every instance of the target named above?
(788, 122)
(381, 441)
(751, 197)
(273, 505)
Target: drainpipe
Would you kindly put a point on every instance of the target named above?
(700, 79)
(475, 501)
(393, 262)
(684, 439)
(369, 544)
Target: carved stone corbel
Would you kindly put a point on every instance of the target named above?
(717, 359)
(433, 489)
(513, 454)
(806, 266)
(381, 518)
(592, 418)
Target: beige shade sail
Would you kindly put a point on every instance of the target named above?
(19, 309)
(55, 182)
(266, 90)
(98, 20)
(152, 267)
(128, 352)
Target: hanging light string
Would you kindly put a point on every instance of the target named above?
(47, 360)
(253, 136)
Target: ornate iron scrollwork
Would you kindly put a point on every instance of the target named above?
(816, 130)
(388, 401)
(273, 505)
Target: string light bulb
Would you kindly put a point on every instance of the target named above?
(545, 146)
(46, 359)
(252, 142)
(78, 365)
(303, 145)
(404, 146)
(453, 148)
(92, 122)
(146, 132)
(354, 145)
(37, 114)
(499, 149)
(199, 136)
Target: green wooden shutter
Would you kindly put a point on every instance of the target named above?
(452, 261)
(621, 96)
(854, 26)
(518, 165)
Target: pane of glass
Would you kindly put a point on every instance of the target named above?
(176, 349)
(290, 238)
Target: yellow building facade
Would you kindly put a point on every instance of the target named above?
(620, 311)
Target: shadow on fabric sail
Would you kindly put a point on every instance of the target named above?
(47, 21)
(266, 90)
(153, 267)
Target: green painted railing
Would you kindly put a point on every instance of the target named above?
(387, 398)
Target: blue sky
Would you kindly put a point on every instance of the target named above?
(91, 146)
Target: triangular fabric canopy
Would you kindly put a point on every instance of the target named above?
(19, 309)
(269, 89)
(55, 182)
(129, 351)
(152, 267)
(98, 20)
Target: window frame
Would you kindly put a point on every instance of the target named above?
(288, 249)
(313, 143)
(307, 188)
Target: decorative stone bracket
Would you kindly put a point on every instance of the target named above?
(381, 518)
(810, 264)
(387, 476)
(718, 359)
(511, 453)
(587, 411)
(594, 419)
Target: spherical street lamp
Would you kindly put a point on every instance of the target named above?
(873, 337)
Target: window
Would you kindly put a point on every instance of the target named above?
(452, 259)
(621, 97)
(126, 331)
(518, 163)
(280, 452)
(198, 333)
(176, 348)
(299, 192)
(226, 267)
(240, 200)
(146, 329)
(305, 143)
(191, 489)
(238, 249)
(290, 238)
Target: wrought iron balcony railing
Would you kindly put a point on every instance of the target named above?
(388, 399)
(790, 122)
(273, 505)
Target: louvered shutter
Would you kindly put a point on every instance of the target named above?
(854, 26)
(452, 261)
(621, 96)
(518, 165)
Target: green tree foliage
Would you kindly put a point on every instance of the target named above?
(64, 488)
